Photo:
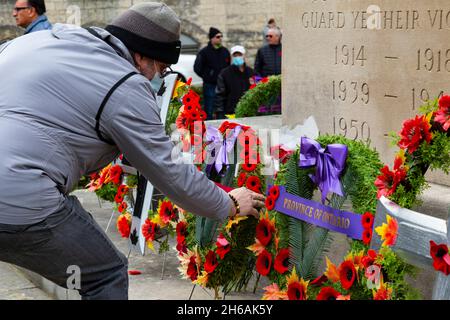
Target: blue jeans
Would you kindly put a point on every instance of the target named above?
(209, 95)
(69, 237)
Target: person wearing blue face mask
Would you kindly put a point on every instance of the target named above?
(232, 83)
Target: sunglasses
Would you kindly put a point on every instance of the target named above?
(218, 37)
(269, 36)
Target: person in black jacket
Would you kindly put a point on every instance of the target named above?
(209, 62)
(268, 58)
(232, 83)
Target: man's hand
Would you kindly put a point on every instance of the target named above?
(249, 202)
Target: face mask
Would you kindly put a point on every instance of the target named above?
(238, 61)
(157, 73)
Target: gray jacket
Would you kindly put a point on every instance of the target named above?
(52, 84)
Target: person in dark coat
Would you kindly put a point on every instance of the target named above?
(232, 83)
(209, 62)
(268, 58)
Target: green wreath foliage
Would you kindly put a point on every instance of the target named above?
(265, 93)
(309, 244)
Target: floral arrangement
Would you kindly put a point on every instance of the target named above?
(266, 92)
(424, 144)
(214, 254)
(289, 252)
(361, 276)
(109, 184)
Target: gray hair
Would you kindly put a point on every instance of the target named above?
(277, 30)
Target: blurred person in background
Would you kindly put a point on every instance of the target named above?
(210, 61)
(270, 24)
(232, 83)
(31, 15)
(268, 58)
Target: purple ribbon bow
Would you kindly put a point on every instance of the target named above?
(220, 146)
(330, 163)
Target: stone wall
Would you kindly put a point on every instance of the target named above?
(241, 21)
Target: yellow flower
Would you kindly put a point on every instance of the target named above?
(230, 116)
(179, 84)
(202, 280)
(234, 221)
(388, 232)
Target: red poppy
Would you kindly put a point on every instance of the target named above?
(442, 116)
(94, 176)
(254, 183)
(297, 291)
(254, 158)
(369, 260)
(182, 248)
(280, 153)
(181, 231)
(123, 189)
(241, 179)
(115, 174)
(122, 207)
(203, 115)
(223, 246)
(183, 122)
(226, 125)
(367, 236)
(196, 140)
(274, 192)
(328, 293)
(247, 140)
(191, 98)
(265, 80)
(211, 262)
(166, 211)
(264, 231)
(134, 272)
(119, 198)
(270, 203)
(253, 86)
(249, 167)
(264, 263)
(319, 281)
(192, 270)
(199, 128)
(388, 181)
(193, 115)
(149, 230)
(281, 264)
(441, 258)
(367, 220)
(347, 274)
(124, 226)
(414, 132)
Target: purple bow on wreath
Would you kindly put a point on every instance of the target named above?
(330, 163)
(218, 147)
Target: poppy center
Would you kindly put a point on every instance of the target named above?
(266, 231)
(266, 263)
(286, 262)
(298, 294)
(349, 274)
(440, 253)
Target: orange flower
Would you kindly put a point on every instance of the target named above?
(332, 272)
(388, 232)
(273, 292)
